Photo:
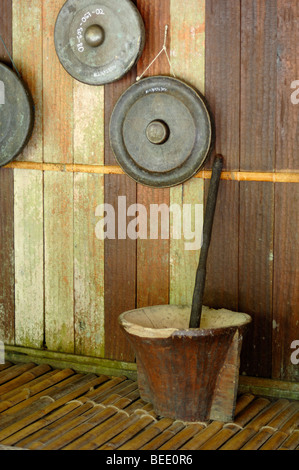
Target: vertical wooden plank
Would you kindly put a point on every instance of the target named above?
(57, 94)
(7, 331)
(58, 191)
(223, 76)
(156, 15)
(88, 130)
(29, 262)
(188, 61)
(256, 274)
(120, 270)
(187, 36)
(257, 144)
(120, 254)
(286, 241)
(88, 194)
(183, 261)
(286, 281)
(222, 283)
(6, 30)
(28, 57)
(287, 143)
(28, 185)
(153, 255)
(223, 94)
(258, 85)
(59, 245)
(88, 266)
(7, 303)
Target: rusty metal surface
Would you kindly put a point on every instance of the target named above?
(16, 115)
(98, 42)
(160, 131)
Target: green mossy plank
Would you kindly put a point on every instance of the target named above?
(29, 258)
(59, 269)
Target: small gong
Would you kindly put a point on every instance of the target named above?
(98, 42)
(161, 132)
(16, 115)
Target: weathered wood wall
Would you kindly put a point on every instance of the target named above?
(61, 288)
(251, 63)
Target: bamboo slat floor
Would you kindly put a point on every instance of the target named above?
(42, 408)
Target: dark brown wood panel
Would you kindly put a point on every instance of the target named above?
(221, 289)
(7, 327)
(287, 144)
(256, 273)
(286, 281)
(223, 76)
(286, 238)
(286, 246)
(120, 272)
(156, 15)
(120, 254)
(258, 85)
(153, 255)
(223, 95)
(257, 153)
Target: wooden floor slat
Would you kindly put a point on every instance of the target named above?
(42, 408)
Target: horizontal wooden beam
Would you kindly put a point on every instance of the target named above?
(270, 177)
(83, 364)
(66, 167)
(269, 387)
(256, 386)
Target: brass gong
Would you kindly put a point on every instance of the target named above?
(161, 132)
(99, 41)
(16, 115)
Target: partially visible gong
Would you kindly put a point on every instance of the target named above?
(161, 132)
(16, 115)
(99, 41)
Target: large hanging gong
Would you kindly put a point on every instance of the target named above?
(16, 115)
(99, 41)
(160, 132)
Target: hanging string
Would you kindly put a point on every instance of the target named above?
(14, 65)
(164, 49)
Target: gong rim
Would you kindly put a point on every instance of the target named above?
(17, 117)
(194, 161)
(108, 59)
